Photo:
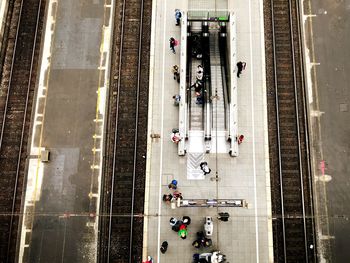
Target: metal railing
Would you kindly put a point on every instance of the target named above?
(208, 15)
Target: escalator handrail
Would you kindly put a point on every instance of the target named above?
(222, 49)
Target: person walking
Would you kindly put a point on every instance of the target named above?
(178, 16)
(172, 42)
(164, 247)
(204, 167)
(241, 66)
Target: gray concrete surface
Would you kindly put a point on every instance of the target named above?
(329, 43)
(247, 237)
(64, 228)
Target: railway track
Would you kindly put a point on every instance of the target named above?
(16, 99)
(293, 225)
(124, 173)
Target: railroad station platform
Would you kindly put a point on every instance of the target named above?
(247, 236)
(62, 193)
(326, 39)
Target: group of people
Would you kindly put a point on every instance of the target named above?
(180, 226)
(173, 42)
(175, 197)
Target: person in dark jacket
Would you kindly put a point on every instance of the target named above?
(167, 198)
(186, 220)
(241, 66)
(223, 216)
(164, 247)
(204, 167)
(172, 42)
(177, 16)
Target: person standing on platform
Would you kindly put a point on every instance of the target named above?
(176, 226)
(177, 99)
(149, 260)
(186, 220)
(177, 195)
(173, 185)
(178, 16)
(223, 216)
(183, 231)
(164, 247)
(204, 167)
(241, 66)
(167, 198)
(199, 99)
(175, 136)
(173, 221)
(240, 139)
(176, 73)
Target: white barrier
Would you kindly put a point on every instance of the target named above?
(183, 118)
(232, 46)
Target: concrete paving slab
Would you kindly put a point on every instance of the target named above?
(64, 191)
(247, 237)
(327, 58)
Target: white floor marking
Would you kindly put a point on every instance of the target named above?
(161, 134)
(253, 131)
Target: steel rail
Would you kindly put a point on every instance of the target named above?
(305, 110)
(10, 79)
(116, 131)
(278, 128)
(136, 131)
(23, 126)
(298, 128)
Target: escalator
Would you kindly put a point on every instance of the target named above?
(219, 90)
(196, 145)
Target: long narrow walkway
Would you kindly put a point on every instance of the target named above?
(62, 195)
(327, 44)
(247, 236)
